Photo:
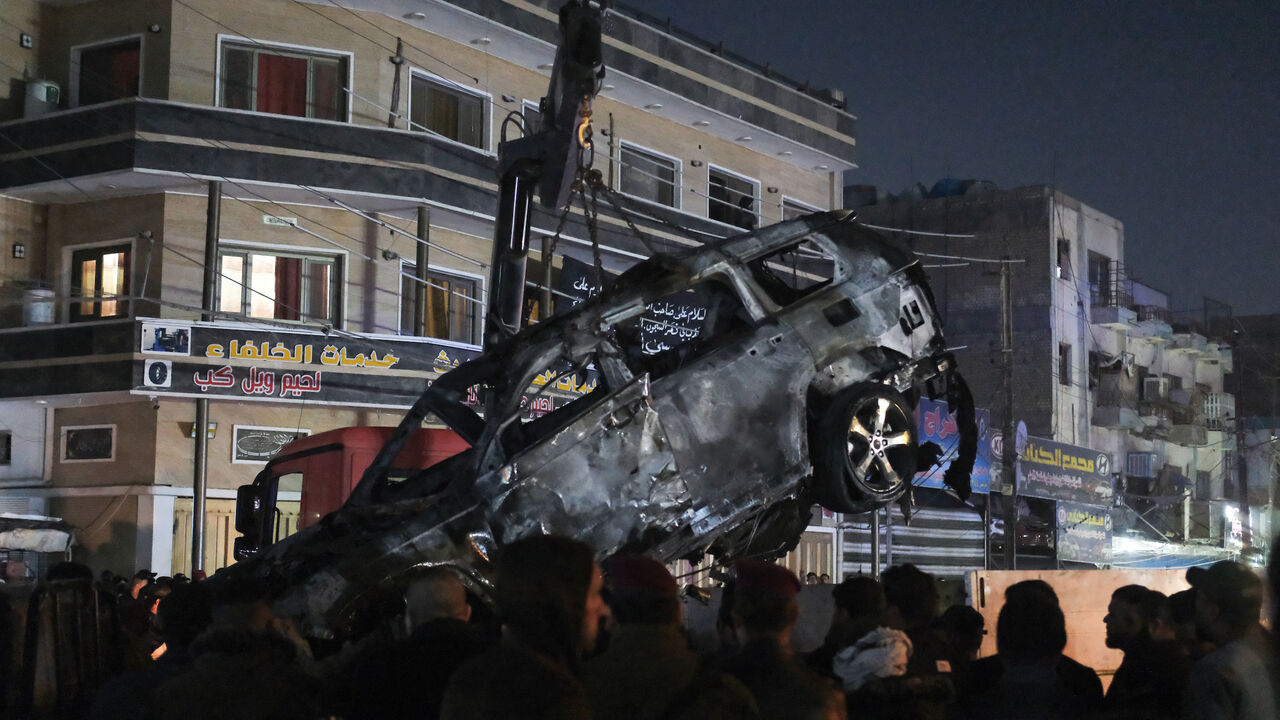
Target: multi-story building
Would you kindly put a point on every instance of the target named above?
(1099, 361)
(344, 153)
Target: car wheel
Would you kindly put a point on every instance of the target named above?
(864, 453)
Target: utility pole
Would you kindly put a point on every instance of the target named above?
(1242, 484)
(420, 271)
(199, 483)
(1009, 452)
(396, 60)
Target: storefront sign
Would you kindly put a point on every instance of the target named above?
(1057, 471)
(211, 360)
(1084, 533)
(935, 423)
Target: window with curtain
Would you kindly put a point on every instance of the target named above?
(646, 175)
(100, 283)
(452, 307)
(284, 82)
(278, 286)
(109, 72)
(449, 111)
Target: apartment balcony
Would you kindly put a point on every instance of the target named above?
(1191, 343)
(1153, 325)
(1189, 435)
(137, 146)
(1113, 317)
(1113, 410)
(225, 360)
(1219, 409)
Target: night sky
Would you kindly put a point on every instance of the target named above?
(1164, 115)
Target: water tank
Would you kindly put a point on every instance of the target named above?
(42, 97)
(37, 307)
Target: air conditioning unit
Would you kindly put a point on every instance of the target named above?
(1155, 388)
(42, 98)
(1140, 464)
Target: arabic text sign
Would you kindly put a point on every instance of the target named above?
(1084, 533)
(1057, 471)
(937, 424)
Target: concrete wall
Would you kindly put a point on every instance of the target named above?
(19, 16)
(109, 530)
(22, 223)
(25, 422)
(135, 445)
(64, 27)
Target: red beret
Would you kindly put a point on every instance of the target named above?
(638, 573)
(766, 577)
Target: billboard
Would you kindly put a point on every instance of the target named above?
(935, 423)
(1058, 471)
(1084, 533)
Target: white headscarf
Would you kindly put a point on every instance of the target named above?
(881, 653)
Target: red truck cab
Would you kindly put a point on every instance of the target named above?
(330, 463)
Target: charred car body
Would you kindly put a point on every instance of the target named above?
(817, 337)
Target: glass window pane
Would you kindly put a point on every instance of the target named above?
(731, 200)
(647, 176)
(327, 81)
(237, 78)
(114, 266)
(88, 286)
(319, 290)
(442, 112)
(407, 289)
(471, 120)
(230, 284)
(282, 84)
(262, 286)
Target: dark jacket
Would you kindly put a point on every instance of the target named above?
(1149, 681)
(512, 682)
(781, 685)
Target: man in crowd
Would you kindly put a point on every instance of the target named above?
(548, 595)
(1138, 624)
(1235, 680)
(765, 611)
(648, 671)
(859, 609)
(408, 678)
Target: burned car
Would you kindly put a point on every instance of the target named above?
(813, 341)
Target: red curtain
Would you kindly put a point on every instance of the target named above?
(288, 288)
(282, 85)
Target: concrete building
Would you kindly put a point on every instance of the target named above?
(118, 116)
(1099, 361)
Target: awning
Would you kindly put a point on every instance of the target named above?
(34, 533)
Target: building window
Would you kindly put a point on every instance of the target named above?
(792, 209)
(88, 443)
(283, 81)
(278, 286)
(1064, 258)
(1101, 290)
(1064, 364)
(532, 117)
(648, 176)
(452, 305)
(100, 283)
(107, 72)
(449, 111)
(6, 447)
(731, 199)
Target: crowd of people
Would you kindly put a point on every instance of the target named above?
(574, 638)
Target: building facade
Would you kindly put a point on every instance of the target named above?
(1100, 362)
(346, 155)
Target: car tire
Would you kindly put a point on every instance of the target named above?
(864, 449)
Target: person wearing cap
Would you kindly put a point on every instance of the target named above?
(648, 671)
(765, 612)
(1236, 679)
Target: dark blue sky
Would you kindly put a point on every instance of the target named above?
(1165, 115)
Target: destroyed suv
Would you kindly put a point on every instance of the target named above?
(729, 390)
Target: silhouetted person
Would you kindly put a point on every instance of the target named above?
(859, 609)
(962, 628)
(1154, 661)
(548, 596)
(248, 665)
(765, 611)
(1029, 677)
(648, 671)
(1235, 680)
(408, 678)
(183, 614)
